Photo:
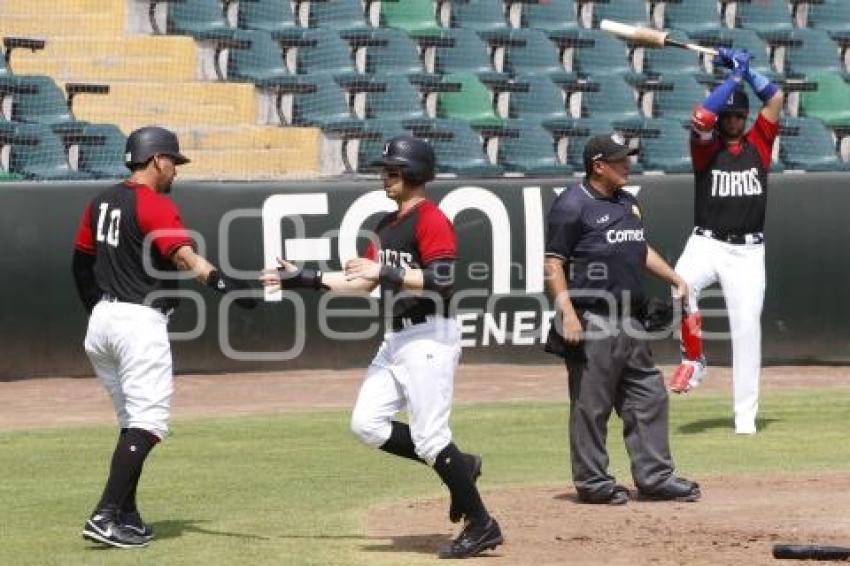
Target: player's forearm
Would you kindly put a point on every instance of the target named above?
(185, 259)
(337, 282)
(556, 286)
(656, 265)
(87, 289)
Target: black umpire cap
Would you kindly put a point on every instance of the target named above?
(606, 147)
(144, 143)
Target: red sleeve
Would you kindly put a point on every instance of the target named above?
(84, 241)
(371, 252)
(702, 153)
(761, 136)
(435, 236)
(156, 213)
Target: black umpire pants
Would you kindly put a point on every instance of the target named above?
(617, 373)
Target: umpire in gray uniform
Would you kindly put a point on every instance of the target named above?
(595, 255)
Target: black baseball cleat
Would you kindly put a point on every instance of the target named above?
(474, 540)
(618, 495)
(473, 461)
(674, 489)
(132, 521)
(103, 528)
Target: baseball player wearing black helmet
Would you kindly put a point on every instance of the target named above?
(124, 229)
(412, 258)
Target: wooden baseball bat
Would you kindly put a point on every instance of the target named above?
(810, 552)
(650, 37)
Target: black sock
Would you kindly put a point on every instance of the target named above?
(133, 447)
(454, 472)
(400, 442)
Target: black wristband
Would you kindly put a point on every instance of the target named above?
(221, 283)
(304, 278)
(392, 276)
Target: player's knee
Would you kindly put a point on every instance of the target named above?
(370, 430)
(429, 447)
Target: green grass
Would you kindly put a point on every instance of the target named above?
(290, 489)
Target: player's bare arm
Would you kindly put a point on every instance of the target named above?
(556, 287)
(289, 276)
(656, 265)
(185, 259)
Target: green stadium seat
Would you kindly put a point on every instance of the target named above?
(829, 102)
(398, 101)
(812, 148)
(605, 56)
(694, 17)
(832, 16)
(202, 19)
(102, 152)
(261, 63)
(816, 52)
(678, 103)
(41, 101)
(396, 54)
(458, 149)
(340, 15)
(614, 101)
(467, 54)
(531, 150)
(324, 106)
(326, 54)
(9, 177)
(769, 18)
(473, 103)
(666, 147)
(556, 18)
(544, 102)
(485, 17)
(37, 153)
(271, 16)
(414, 17)
(531, 52)
(626, 11)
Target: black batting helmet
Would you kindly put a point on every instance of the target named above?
(144, 143)
(737, 102)
(414, 155)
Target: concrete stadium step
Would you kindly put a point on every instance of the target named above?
(239, 137)
(297, 158)
(54, 6)
(55, 23)
(130, 105)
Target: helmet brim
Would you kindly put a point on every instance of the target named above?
(180, 159)
(389, 162)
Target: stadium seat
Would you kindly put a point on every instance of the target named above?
(530, 150)
(769, 18)
(38, 153)
(202, 19)
(832, 16)
(398, 101)
(661, 62)
(261, 63)
(829, 102)
(271, 16)
(544, 102)
(467, 54)
(815, 53)
(324, 106)
(41, 101)
(626, 11)
(694, 17)
(392, 51)
(614, 101)
(485, 17)
(557, 18)
(101, 152)
(415, 17)
(679, 102)
(584, 129)
(812, 149)
(371, 148)
(459, 149)
(666, 148)
(327, 53)
(340, 15)
(473, 103)
(744, 39)
(604, 56)
(531, 52)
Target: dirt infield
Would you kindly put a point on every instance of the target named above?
(60, 402)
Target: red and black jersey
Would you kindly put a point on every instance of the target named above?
(412, 240)
(119, 227)
(731, 180)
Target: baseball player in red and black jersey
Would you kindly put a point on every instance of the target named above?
(130, 238)
(413, 261)
(727, 245)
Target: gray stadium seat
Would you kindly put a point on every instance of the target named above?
(832, 16)
(769, 18)
(614, 101)
(816, 53)
(272, 16)
(458, 148)
(626, 11)
(605, 56)
(202, 19)
(694, 17)
(530, 150)
(679, 102)
(667, 148)
(261, 63)
(101, 152)
(544, 102)
(533, 53)
(37, 153)
(340, 15)
(325, 106)
(485, 17)
(468, 54)
(812, 148)
(397, 53)
(398, 100)
(557, 18)
(326, 54)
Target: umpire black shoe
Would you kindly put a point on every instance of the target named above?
(473, 461)
(103, 527)
(674, 489)
(619, 495)
(132, 521)
(474, 539)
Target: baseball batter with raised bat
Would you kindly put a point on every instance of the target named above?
(731, 167)
(412, 259)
